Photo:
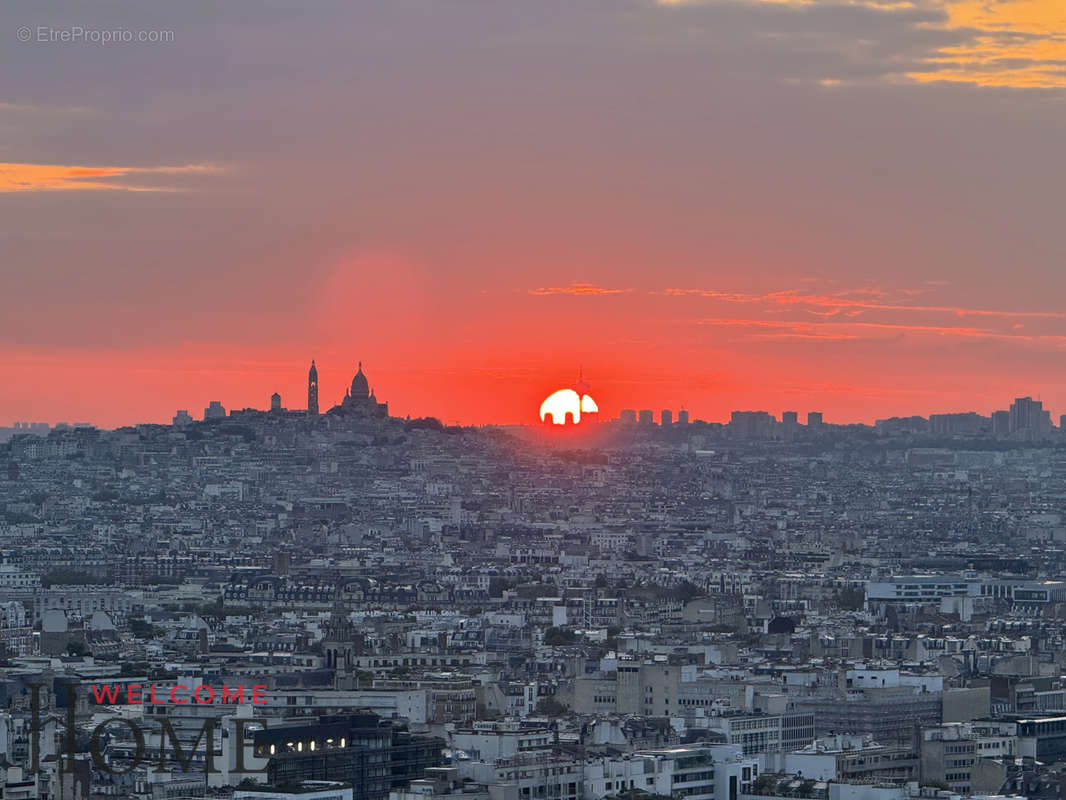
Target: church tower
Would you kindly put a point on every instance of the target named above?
(337, 644)
(312, 390)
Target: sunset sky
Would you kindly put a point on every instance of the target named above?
(849, 206)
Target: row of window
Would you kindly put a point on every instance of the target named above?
(622, 784)
(689, 777)
(703, 788)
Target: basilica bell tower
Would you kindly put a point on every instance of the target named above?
(312, 389)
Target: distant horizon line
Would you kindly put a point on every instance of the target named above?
(27, 426)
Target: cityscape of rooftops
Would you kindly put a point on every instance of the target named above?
(532, 400)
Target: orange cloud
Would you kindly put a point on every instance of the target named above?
(1016, 43)
(1005, 43)
(577, 288)
(834, 337)
(16, 177)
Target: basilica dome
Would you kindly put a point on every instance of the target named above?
(360, 387)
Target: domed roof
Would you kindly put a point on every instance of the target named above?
(360, 386)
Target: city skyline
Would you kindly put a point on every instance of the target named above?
(533, 400)
(721, 204)
(497, 389)
(1024, 412)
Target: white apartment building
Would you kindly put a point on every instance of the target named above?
(714, 772)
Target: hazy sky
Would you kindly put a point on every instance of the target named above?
(848, 206)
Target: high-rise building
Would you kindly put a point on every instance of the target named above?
(275, 402)
(646, 417)
(682, 417)
(1000, 423)
(1023, 412)
(628, 415)
(968, 423)
(789, 425)
(666, 417)
(182, 417)
(1029, 419)
(312, 389)
(814, 419)
(751, 425)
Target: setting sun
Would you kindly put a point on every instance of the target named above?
(566, 406)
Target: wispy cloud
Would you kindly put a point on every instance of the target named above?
(812, 327)
(26, 109)
(22, 177)
(849, 329)
(577, 289)
(833, 337)
(780, 329)
(843, 302)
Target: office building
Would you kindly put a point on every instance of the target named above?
(762, 733)
(360, 749)
(889, 715)
(846, 758)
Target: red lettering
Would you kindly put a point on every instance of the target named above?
(109, 692)
(151, 696)
(210, 697)
(133, 694)
(174, 699)
(237, 697)
(257, 694)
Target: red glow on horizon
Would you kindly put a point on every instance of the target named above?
(125, 388)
